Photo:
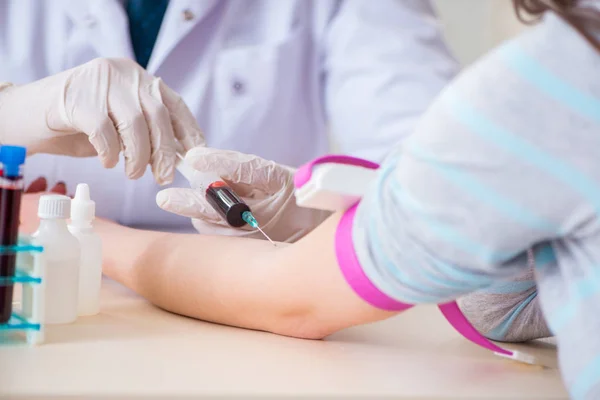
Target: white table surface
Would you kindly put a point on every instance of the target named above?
(135, 349)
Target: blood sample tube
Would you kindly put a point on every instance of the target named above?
(11, 188)
(221, 197)
(227, 203)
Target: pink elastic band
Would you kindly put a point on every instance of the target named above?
(353, 272)
(362, 286)
(358, 280)
(458, 320)
(304, 173)
(344, 248)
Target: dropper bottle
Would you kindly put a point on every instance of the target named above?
(61, 256)
(83, 212)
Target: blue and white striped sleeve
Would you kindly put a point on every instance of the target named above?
(459, 203)
(504, 161)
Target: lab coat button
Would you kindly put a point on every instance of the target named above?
(238, 87)
(89, 21)
(188, 15)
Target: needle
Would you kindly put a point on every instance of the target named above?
(268, 238)
(250, 220)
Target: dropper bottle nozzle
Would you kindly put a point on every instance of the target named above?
(83, 208)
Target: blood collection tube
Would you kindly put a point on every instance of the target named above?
(221, 197)
(11, 188)
(227, 203)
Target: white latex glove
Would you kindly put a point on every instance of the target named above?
(267, 188)
(103, 107)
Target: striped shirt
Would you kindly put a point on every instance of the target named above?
(507, 159)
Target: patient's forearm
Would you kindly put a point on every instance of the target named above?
(294, 290)
(207, 277)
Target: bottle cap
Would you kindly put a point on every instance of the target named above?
(54, 206)
(82, 207)
(12, 157)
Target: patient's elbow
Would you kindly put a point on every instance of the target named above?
(304, 325)
(318, 320)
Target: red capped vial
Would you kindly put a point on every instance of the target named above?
(227, 203)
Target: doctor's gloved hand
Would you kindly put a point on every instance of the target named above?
(104, 107)
(267, 188)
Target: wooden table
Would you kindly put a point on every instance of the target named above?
(135, 349)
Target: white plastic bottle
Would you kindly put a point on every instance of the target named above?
(61, 253)
(83, 212)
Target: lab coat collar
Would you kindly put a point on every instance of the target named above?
(181, 17)
(106, 22)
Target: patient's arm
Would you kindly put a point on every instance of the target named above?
(294, 290)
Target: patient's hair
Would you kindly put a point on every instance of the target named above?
(586, 20)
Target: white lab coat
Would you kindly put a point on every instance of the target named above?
(269, 77)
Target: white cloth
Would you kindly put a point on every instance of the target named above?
(265, 77)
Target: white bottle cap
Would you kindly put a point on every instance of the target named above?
(54, 206)
(82, 207)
